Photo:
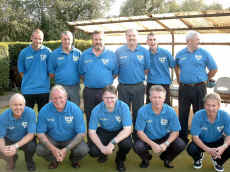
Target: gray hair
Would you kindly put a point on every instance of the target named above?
(67, 33)
(157, 88)
(190, 35)
(212, 96)
(16, 96)
(58, 87)
(131, 30)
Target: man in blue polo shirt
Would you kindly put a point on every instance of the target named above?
(98, 67)
(210, 133)
(18, 126)
(160, 62)
(110, 124)
(134, 62)
(192, 63)
(63, 66)
(61, 128)
(157, 127)
(33, 68)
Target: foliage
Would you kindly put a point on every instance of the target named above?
(18, 18)
(4, 68)
(136, 7)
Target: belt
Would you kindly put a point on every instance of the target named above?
(139, 83)
(193, 85)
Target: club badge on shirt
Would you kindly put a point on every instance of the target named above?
(75, 58)
(118, 118)
(198, 57)
(163, 59)
(164, 121)
(220, 128)
(24, 124)
(69, 119)
(140, 57)
(105, 61)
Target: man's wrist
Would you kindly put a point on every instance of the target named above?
(16, 145)
(166, 143)
(225, 145)
(113, 142)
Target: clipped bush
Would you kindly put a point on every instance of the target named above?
(4, 68)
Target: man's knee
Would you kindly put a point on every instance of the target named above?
(81, 150)
(41, 150)
(139, 146)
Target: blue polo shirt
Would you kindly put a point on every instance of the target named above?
(61, 126)
(65, 66)
(111, 121)
(160, 62)
(34, 65)
(193, 65)
(157, 126)
(132, 64)
(15, 129)
(98, 71)
(210, 132)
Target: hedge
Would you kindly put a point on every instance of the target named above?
(4, 68)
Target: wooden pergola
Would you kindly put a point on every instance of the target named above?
(168, 23)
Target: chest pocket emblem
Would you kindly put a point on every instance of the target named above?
(105, 61)
(140, 57)
(24, 124)
(69, 119)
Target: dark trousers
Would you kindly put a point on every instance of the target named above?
(92, 97)
(189, 95)
(174, 149)
(77, 153)
(40, 99)
(133, 95)
(105, 137)
(28, 149)
(166, 86)
(195, 152)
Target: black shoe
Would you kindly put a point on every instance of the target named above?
(167, 164)
(144, 164)
(121, 166)
(31, 166)
(102, 158)
(75, 165)
(217, 167)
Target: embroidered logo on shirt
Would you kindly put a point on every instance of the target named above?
(220, 128)
(123, 57)
(69, 119)
(118, 118)
(103, 119)
(204, 128)
(140, 57)
(149, 121)
(60, 58)
(24, 124)
(29, 57)
(43, 57)
(50, 119)
(88, 61)
(183, 58)
(11, 127)
(198, 57)
(164, 121)
(162, 59)
(105, 61)
(75, 58)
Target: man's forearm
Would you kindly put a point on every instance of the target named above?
(76, 140)
(123, 134)
(45, 141)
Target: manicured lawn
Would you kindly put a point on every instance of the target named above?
(183, 163)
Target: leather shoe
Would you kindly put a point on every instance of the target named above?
(102, 158)
(53, 165)
(144, 164)
(75, 165)
(167, 164)
(121, 166)
(31, 166)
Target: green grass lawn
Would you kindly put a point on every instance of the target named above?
(183, 163)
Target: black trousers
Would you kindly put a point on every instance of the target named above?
(92, 97)
(174, 149)
(133, 95)
(40, 99)
(195, 152)
(189, 95)
(28, 149)
(166, 86)
(105, 137)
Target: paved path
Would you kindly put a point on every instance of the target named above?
(4, 100)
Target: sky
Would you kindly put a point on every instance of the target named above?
(115, 11)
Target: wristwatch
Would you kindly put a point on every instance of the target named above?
(113, 142)
(167, 143)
